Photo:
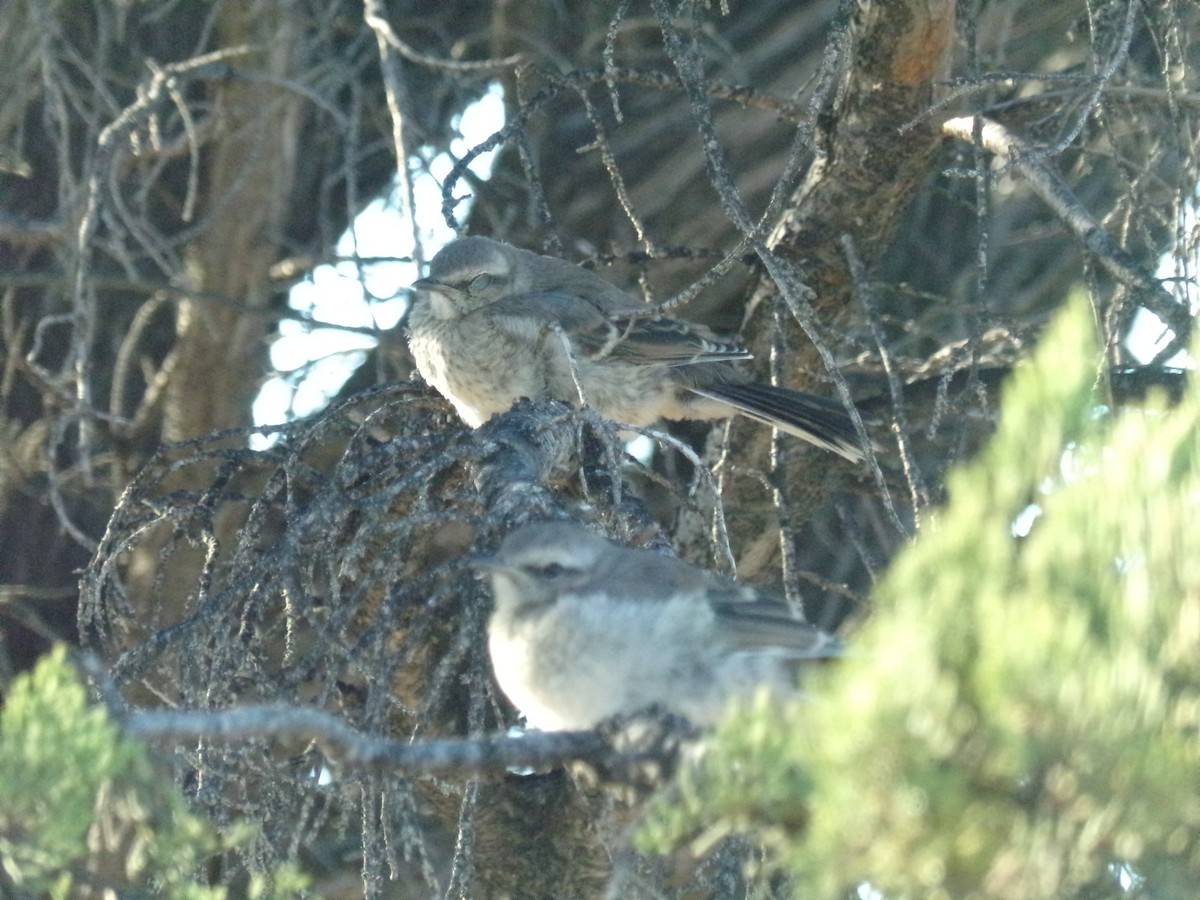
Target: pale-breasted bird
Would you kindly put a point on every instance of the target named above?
(584, 629)
(493, 323)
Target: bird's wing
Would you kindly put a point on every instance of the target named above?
(660, 341)
(766, 625)
(747, 618)
(598, 335)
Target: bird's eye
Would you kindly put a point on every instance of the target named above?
(482, 282)
(550, 570)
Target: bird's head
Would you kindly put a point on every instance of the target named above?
(537, 563)
(467, 274)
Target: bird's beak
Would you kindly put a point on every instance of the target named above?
(487, 565)
(430, 284)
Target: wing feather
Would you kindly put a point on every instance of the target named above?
(599, 335)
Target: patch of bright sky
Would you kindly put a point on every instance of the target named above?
(1126, 876)
(1148, 333)
(312, 363)
(1023, 523)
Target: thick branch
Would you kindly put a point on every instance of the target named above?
(867, 167)
(346, 745)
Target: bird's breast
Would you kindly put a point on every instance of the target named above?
(479, 370)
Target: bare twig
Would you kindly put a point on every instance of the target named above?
(919, 494)
(1055, 193)
(396, 92)
(376, 19)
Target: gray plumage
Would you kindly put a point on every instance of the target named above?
(584, 629)
(487, 327)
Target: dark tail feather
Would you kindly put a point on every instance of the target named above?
(815, 419)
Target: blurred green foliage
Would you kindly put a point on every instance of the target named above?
(1019, 717)
(82, 808)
